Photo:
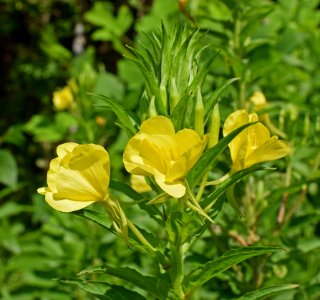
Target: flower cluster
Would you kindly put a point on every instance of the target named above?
(80, 175)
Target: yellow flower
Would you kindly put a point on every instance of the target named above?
(160, 152)
(139, 184)
(62, 99)
(254, 144)
(78, 177)
(259, 101)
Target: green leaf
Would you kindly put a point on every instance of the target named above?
(103, 220)
(124, 19)
(123, 116)
(223, 187)
(156, 285)
(205, 272)
(209, 105)
(8, 168)
(265, 291)
(104, 290)
(125, 189)
(97, 217)
(206, 160)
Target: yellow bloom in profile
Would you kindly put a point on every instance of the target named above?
(254, 144)
(78, 177)
(160, 152)
(62, 99)
(139, 184)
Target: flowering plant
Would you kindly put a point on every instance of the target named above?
(174, 144)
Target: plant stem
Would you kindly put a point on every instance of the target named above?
(139, 236)
(177, 259)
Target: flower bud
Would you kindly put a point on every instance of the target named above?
(62, 99)
(199, 114)
(174, 94)
(214, 127)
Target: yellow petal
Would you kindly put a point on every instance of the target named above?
(257, 134)
(64, 149)
(259, 101)
(43, 190)
(185, 162)
(270, 150)
(235, 120)
(139, 184)
(79, 173)
(186, 139)
(63, 98)
(156, 152)
(157, 125)
(66, 205)
(132, 159)
(241, 144)
(176, 190)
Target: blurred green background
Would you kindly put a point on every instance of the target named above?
(273, 46)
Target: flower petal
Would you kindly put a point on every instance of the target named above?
(132, 159)
(64, 149)
(157, 125)
(82, 174)
(184, 163)
(176, 189)
(65, 205)
(270, 150)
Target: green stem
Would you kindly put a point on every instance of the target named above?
(202, 186)
(177, 260)
(140, 236)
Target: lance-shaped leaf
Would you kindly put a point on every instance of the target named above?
(104, 290)
(223, 187)
(103, 220)
(206, 160)
(156, 285)
(138, 199)
(209, 105)
(126, 189)
(125, 121)
(205, 272)
(266, 291)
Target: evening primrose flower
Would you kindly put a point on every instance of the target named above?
(160, 152)
(62, 99)
(78, 177)
(254, 144)
(259, 101)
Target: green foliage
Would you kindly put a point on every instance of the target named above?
(221, 52)
(8, 169)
